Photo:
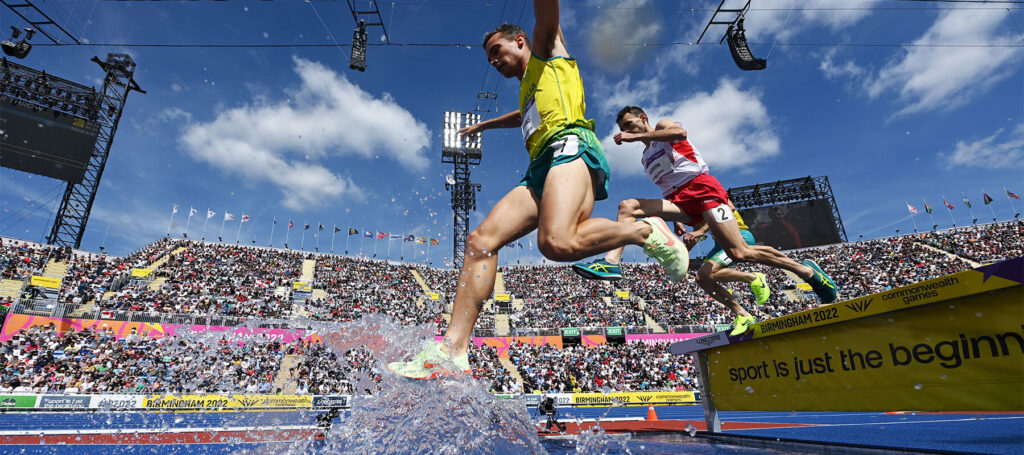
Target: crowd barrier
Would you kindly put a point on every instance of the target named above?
(251, 402)
(193, 402)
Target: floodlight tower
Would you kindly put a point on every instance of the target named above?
(461, 151)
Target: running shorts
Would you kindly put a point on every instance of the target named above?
(564, 147)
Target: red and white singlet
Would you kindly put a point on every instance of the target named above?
(670, 165)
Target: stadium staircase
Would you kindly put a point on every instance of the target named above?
(283, 380)
(652, 324)
(308, 271)
(420, 280)
(158, 283)
(55, 269)
(11, 289)
(974, 264)
(502, 327)
(512, 370)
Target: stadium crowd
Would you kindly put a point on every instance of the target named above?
(222, 280)
(603, 368)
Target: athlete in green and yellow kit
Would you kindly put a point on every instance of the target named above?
(567, 173)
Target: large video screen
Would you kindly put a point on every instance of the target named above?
(44, 142)
(793, 225)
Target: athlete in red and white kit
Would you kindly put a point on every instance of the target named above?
(694, 197)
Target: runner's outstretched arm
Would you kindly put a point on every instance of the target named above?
(511, 120)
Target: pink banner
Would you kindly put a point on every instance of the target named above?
(16, 323)
(655, 338)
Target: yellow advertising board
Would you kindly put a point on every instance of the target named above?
(301, 286)
(935, 290)
(434, 295)
(959, 354)
(226, 402)
(502, 297)
(45, 281)
(631, 398)
(141, 273)
(622, 294)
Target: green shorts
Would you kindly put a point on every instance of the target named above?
(717, 254)
(564, 147)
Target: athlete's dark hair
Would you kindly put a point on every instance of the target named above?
(509, 32)
(628, 110)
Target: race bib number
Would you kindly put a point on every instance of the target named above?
(659, 167)
(531, 119)
(721, 214)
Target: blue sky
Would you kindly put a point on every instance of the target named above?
(855, 90)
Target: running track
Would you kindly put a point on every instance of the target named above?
(226, 432)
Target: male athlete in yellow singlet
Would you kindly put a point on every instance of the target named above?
(567, 173)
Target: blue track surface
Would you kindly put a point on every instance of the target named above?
(982, 433)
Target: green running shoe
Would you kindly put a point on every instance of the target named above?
(598, 270)
(760, 288)
(664, 246)
(431, 363)
(821, 283)
(741, 324)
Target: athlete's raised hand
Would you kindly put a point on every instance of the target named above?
(623, 136)
(471, 129)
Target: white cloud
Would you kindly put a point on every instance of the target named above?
(998, 151)
(282, 142)
(930, 78)
(731, 127)
(834, 70)
(767, 19)
(626, 92)
(623, 22)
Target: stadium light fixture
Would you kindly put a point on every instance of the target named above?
(357, 60)
(18, 49)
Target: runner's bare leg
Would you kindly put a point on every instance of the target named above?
(514, 216)
(727, 234)
(565, 231)
(632, 209)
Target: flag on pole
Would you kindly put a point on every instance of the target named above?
(986, 198)
(410, 238)
(434, 242)
(321, 228)
(368, 234)
(396, 236)
(1012, 194)
(192, 211)
(928, 208)
(275, 220)
(210, 214)
(421, 240)
(246, 218)
(290, 224)
(228, 216)
(175, 209)
(353, 231)
(337, 229)
(948, 205)
(382, 235)
(306, 228)
(911, 208)
(966, 202)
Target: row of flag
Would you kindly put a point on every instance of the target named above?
(379, 235)
(986, 199)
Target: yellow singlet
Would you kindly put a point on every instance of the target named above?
(550, 100)
(739, 220)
